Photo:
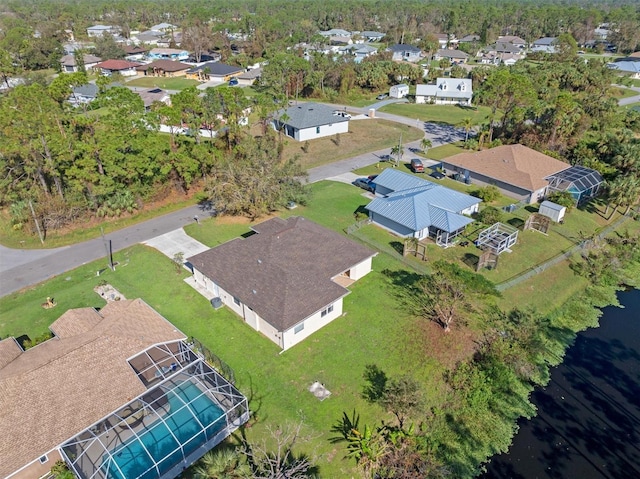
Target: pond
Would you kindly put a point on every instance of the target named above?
(588, 422)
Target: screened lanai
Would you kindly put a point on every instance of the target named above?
(187, 409)
(582, 182)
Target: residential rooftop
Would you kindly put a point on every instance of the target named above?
(516, 165)
(60, 387)
(284, 272)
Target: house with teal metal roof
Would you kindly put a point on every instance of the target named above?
(415, 208)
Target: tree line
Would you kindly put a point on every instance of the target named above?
(34, 30)
(62, 164)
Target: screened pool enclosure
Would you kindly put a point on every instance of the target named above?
(581, 182)
(188, 408)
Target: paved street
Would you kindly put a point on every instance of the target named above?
(632, 99)
(22, 268)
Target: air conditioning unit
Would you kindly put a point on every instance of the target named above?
(216, 302)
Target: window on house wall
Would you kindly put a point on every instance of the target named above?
(236, 300)
(326, 311)
(318, 130)
(298, 328)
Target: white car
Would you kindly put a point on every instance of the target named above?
(343, 114)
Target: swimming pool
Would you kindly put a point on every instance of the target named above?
(157, 445)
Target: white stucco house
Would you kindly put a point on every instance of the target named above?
(309, 121)
(403, 52)
(68, 63)
(287, 280)
(399, 91)
(446, 91)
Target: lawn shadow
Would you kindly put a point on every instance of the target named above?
(396, 245)
(360, 211)
(595, 206)
(402, 278)
(516, 223)
(471, 260)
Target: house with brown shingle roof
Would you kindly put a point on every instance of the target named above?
(518, 171)
(123, 67)
(287, 280)
(95, 394)
(68, 63)
(163, 68)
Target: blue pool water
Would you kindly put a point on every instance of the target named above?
(134, 458)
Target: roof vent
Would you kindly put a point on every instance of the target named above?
(254, 291)
(259, 261)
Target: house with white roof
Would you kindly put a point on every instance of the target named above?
(415, 208)
(358, 51)
(446, 91)
(163, 27)
(99, 30)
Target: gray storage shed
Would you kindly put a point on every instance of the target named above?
(552, 210)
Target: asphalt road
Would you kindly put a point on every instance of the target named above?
(20, 269)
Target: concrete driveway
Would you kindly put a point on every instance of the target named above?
(176, 241)
(347, 178)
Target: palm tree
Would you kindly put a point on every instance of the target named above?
(397, 151)
(222, 464)
(467, 124)
(425, 144)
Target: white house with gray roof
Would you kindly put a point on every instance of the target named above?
(372, 36)
(308, 121)
(335, 32)
(415, 208)
(446, 91)
(545, 45)
(403, 52)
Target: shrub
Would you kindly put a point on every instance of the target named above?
(487, 193)
(116, 205)
(490, 215)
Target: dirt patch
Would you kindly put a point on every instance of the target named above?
(109, 293)
(446, 348)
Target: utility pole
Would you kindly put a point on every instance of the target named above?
(107, 246)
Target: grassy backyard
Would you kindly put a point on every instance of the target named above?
(337, 354)
(167, 83)
(450, 114)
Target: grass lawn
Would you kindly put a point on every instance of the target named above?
(364, 136)
(450, 114)
(168, 83)
(619, 92)
(375, 328)
(276, 383)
